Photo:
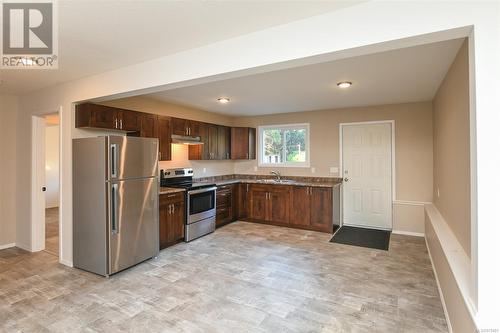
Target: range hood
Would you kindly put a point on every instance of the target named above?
(186, 140)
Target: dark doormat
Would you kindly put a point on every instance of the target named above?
(372, 238)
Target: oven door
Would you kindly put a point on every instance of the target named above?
(200, 204)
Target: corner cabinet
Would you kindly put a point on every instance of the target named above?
(172, 215)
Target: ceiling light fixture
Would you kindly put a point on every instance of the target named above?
(344, 84)
(223, 100)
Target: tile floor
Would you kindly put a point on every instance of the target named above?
(52, 230)
(243, 278)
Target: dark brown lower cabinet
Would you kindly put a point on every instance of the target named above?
(270, 203)
(242, 201)
(312, 208)
(322, 208)
(172, 216)
(226, 204)
(300, 206)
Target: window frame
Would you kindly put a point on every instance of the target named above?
(260, 138)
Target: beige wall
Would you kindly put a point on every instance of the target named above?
(413, 124)
(452, 149)
(8, 156)
(456, 307)
(413, 134)
(180, 152)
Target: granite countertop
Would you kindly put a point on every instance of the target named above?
(170, 190)
(221, 182)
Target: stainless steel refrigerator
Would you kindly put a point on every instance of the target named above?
(115, 202)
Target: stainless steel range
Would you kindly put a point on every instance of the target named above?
(200, 201)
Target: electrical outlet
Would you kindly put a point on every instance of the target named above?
(255, 169)
(334, 170)
(313, 170)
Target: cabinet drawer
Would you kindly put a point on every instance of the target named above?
(171, 197)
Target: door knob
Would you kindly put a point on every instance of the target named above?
(346, 179)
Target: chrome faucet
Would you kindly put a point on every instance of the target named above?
(277, 174)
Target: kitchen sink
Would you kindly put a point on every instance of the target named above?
(275, 181)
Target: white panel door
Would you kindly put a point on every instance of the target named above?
(367, 171)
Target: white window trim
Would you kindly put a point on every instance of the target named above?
(305, 164)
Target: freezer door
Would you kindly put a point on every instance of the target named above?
(132, 157)
(133, 216)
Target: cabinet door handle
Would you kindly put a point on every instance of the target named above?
(173, 208)
(116, 123)
(247, 187)
(121, 123)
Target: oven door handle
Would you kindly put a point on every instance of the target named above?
(203, 190)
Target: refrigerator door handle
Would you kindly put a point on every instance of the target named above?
(114, 205)
(114, 160)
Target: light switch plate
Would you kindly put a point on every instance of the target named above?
(334, 170)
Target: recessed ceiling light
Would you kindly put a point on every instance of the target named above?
(344, 84)
(223, 100)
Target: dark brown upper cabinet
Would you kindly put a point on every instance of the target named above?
(185, 127)
(216, 143)
(129, 121)
(223, 143)
(90, 115)
(164, 138)
(205, 150)
(149, 126)
(243, 143)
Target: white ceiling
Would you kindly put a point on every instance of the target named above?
(97, 36)
(405, 75)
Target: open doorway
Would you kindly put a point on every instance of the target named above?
(52, 186)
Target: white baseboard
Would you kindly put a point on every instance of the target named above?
(7, 246)
(24, 247)
(441, 296)
(408, 233)
(66, 263)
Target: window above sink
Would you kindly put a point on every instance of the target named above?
(284, 145)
